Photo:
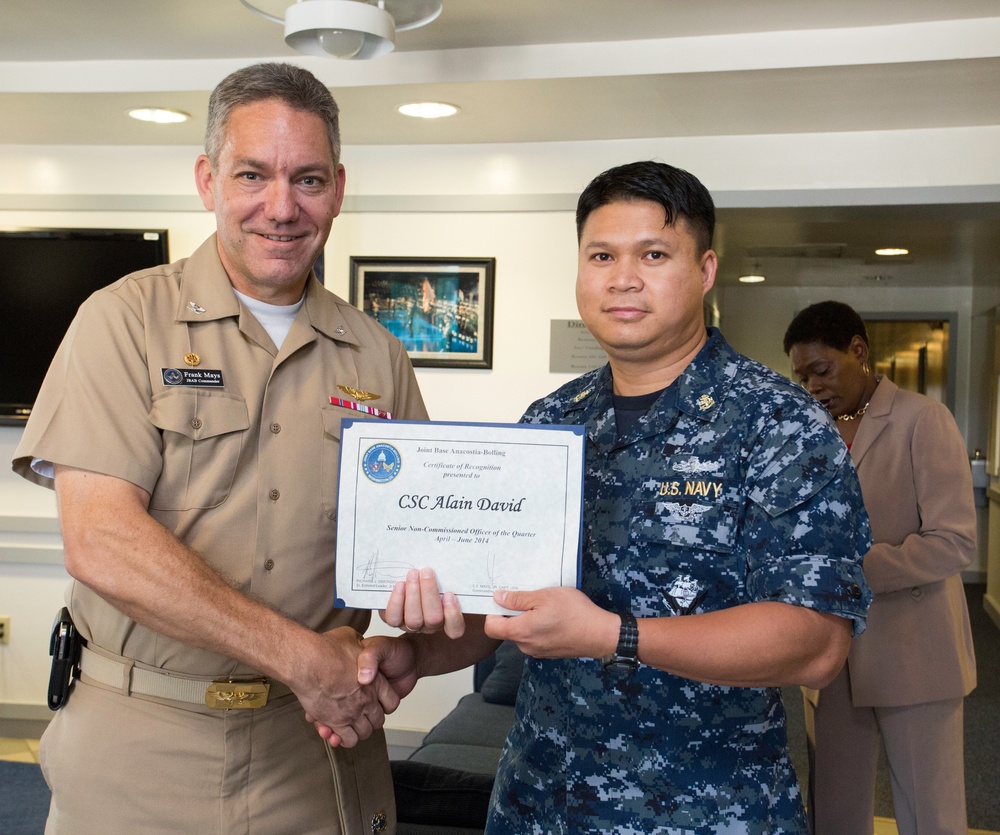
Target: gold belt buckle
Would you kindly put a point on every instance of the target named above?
(226, 694)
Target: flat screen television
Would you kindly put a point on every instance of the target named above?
(45, 275)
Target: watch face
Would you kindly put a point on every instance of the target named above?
(621, 663)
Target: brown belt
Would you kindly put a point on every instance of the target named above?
(221, 693)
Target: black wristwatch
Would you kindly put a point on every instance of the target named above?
(626, 654)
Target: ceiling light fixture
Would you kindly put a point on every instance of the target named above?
(428, 109)
(752, 278)
(890, 251)
(350, 29)
(160, 115)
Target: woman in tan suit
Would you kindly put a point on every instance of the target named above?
(907, 675)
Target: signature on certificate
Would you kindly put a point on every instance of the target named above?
(378, 571)
(491, 570)
(494, 579)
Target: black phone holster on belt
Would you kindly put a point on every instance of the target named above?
(64, 647)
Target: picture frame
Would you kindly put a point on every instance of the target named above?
(441, 309)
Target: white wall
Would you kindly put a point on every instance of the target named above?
(30, 593)
(513, 203)
(535, 274)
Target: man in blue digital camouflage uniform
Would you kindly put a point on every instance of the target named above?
(724, 531)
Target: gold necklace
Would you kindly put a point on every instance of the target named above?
(859, 413)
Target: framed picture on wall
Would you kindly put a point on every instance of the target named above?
(441, 309)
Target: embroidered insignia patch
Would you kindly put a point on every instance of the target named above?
(692, 467)
(686, 512)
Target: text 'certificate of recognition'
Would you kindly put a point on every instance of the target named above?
(487, 506)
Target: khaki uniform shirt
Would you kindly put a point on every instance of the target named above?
(165, 380)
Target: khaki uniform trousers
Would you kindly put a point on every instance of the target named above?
(924, 745)
(125, 764)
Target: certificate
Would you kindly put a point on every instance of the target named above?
(487, 506)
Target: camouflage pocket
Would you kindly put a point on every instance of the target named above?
(689, 524)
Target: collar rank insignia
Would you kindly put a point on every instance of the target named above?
(340, 331)
(582, 395)
(705, 402)
(358, 394)
(194, 307)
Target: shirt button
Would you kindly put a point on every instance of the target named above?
(196, 423)
(274, 495)
(275, 428)
(856, 591)
(916, 593)
(268, 564)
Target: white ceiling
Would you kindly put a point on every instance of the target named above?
(556, 70)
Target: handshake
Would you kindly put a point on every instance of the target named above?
(372, 675)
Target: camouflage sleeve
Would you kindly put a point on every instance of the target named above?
(806, 530)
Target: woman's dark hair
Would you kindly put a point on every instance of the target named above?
(834, 324)
(679, 193)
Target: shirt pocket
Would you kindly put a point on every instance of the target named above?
(203, 435)
(691, 556)
(689, 524)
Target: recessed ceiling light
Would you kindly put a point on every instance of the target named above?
(889, 251)
(755, 277)
(160, 115)
(428, 109)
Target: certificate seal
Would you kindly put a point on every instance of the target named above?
(381, 463)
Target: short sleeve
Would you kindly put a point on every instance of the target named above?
(806, 546)
(81, 419)
(806, 530)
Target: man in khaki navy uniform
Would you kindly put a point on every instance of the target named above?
(191, 434)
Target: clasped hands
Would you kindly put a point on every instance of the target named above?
(556, 622)
(386, 667)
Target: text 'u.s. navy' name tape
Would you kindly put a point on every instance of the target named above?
(360, 407)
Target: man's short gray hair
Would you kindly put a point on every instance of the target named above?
(296, 87)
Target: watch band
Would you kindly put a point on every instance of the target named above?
(626, 654)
